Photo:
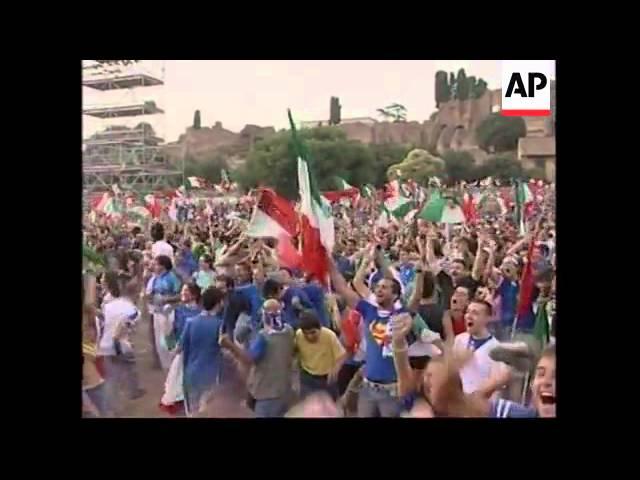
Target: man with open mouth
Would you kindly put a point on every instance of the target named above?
(450, 400)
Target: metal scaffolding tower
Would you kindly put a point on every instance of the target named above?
(125, 149)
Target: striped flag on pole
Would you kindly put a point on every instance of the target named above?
(318, 234)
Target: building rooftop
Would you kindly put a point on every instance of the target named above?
(125, 81)
(147, 108)
(537, 147)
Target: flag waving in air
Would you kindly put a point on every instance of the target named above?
(273, 216)
(318, 233)
(199, 182)
(523, 197)
(346, 192)
(442, 210)
(396, 202)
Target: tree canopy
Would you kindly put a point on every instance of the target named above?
(504, 167)
(418, 165)
(459, 166)
(394, 112)
(498, 133)
(272, 162)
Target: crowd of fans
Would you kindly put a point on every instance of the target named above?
(417, 319)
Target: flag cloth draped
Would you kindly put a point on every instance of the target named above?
(469, 207)
(525, 299)
(318, 233)
(199, 182)
(273, 216)
(153, 205)
(541, 326)
(397, 204)
(441, 210)
(522, 198)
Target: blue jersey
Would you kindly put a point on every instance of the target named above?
(378, 367)
(507, 409)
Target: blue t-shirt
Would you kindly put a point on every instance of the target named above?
(315, 294)
(181, 315)
(378, 368)
(508, 292)
(345, 265)
(507, 409)
(189, 264)
(202, 355)
(407, 272)
(251, 293)
(166, 284)
(289, 313)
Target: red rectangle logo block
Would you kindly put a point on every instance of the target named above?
(526, 113)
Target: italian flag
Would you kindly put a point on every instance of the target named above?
(384, 220)
(345, 193)
(107, 204)
(153, 205)
(442, 210)
(396, 203)
(469, 207)
(342, 184)
(523, 197)
(318, 234)
(368, 191)
(198, 182)
(139, 214)
(273, 216)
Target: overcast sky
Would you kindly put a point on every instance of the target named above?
(238, 92)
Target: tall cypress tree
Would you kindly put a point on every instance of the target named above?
(462, 90)
(196, 120)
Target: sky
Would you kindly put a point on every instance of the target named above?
(240, 92)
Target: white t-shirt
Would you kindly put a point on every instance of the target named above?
(116, 311)
(162, 248)
(481, 367)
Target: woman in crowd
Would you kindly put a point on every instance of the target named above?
(205, 276)
(163, 290)
(199, 345)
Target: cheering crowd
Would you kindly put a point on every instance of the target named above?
(415, 317)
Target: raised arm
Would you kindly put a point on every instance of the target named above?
(400, 347)
(341, 286)
(416, 295)
(359, 278)
(233, 250)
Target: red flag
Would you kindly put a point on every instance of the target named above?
(288, 256)
(351, 330)
(525, 299)
(314, 261)
(469, 208)
(278, 209)
(337, 195)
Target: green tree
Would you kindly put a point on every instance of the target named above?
(196, 120)
(273, 162)
(208, 168)
(385, 155)
(395, 112)
(334, 111)
(443, 94)
(459, 166)
(418, 165)
(462, 92)
(498, 133)
(452, 86)
(503, 167)
(479, 88)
